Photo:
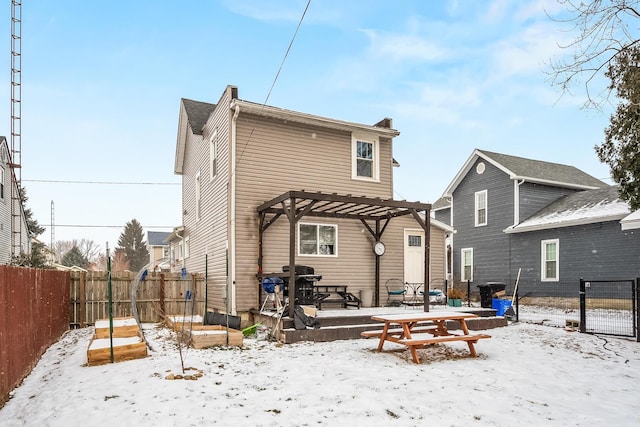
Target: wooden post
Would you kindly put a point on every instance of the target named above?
(82, 300)
(162, 308)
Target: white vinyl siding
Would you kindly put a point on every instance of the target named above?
(365, 158)
(466, 262)
(317, 239)
(550, 260)
(481, 208)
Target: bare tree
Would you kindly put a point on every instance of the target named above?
(605, 29)
(88, 248)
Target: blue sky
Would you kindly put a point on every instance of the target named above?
(102, 82)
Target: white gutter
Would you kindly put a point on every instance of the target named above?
(232, 212)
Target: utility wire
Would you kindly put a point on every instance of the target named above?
(275, 79)
(100, 182)
(103, 226)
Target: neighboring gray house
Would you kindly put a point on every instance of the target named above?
(245, 166)
(5, 210)
(555, 222)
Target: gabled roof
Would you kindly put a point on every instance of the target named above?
(537, 171)
(441, 203)
(581, 207)
(156, 238)
(197, 114)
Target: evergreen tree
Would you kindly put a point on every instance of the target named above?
(132, 242)
(621, 148)
(74, 257)
(37, 258)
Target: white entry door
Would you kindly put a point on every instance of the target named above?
(413, 255)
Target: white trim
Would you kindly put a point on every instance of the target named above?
(476, 208)
(631, 221)
(295, 116)
(544, 260)
(554, 225)
(462, 275)
(375, 167)
(318, 254)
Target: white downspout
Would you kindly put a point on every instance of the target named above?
(516, 201)
(232, 212)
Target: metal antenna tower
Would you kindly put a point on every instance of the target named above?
(16, 127)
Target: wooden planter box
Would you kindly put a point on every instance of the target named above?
(175, 322)
(99, 352)
(123, 327)
(127, 342)
(212, 335)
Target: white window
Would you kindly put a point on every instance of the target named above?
(186, 247)
(365, 159)
(317, 239)
(1, 183)
(213, 155)
(481, 208)
(550, 260)
(466, 263)
(198, 196)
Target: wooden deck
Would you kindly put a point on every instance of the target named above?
(347, 324)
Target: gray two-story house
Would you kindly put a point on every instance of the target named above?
(553, 222)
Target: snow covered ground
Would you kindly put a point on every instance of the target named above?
(526, 374)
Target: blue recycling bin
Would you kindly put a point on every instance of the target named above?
(500, 305)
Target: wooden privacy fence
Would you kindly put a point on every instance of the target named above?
(159, 294)
(33, 315)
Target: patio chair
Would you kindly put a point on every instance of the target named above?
(436, 291)
(396, 292)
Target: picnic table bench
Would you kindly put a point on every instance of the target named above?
(419, 329)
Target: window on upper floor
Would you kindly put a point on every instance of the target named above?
(198, 196)
(481, 208)
(213, 155)
(1, 183)
(365, 158)
(466, 263)
(317, 239)
(550, 260)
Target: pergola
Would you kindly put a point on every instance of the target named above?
(374, 213)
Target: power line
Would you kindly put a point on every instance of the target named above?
(287, 53)
(103, 226)
(275, 79)
(101, 182)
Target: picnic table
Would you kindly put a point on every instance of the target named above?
(415, 330)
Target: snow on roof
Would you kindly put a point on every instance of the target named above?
(583, 207)
(631, 221)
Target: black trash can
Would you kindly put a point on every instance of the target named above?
(486, 292)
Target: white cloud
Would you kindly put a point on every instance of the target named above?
(401, 47)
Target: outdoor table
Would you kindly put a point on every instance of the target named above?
(419, 329)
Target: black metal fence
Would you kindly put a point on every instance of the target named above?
(609, 307)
